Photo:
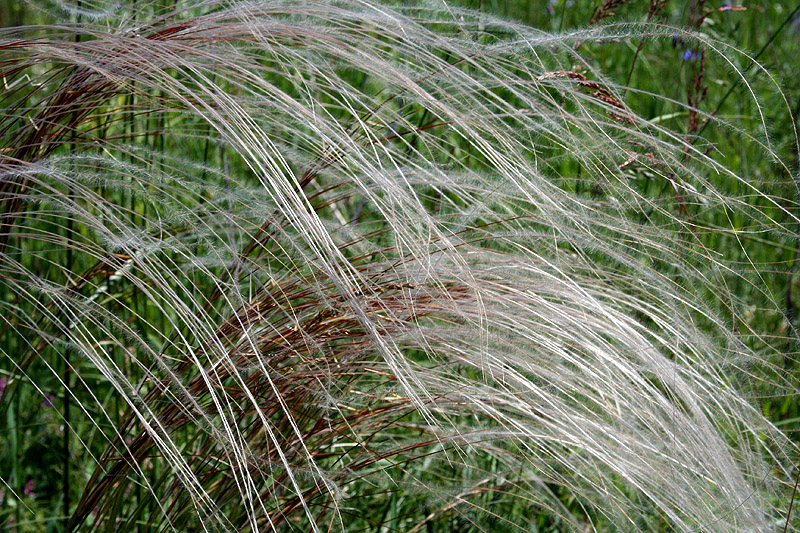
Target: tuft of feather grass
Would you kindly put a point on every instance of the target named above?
(335, 257)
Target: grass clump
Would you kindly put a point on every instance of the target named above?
(352, 266)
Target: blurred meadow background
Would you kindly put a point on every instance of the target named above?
(401, 266)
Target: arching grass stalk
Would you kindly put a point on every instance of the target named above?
(387, 297)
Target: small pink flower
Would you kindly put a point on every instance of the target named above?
(3, 383)
(28, 490)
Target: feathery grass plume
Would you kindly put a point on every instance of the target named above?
(342, 265)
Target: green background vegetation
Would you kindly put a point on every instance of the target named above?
(757, 294)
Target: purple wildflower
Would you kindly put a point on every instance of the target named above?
(49, 400)
(3, 383)
(690, 55)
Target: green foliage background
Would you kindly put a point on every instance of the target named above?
(763, 295)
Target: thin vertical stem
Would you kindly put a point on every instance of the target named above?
(66, 355)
